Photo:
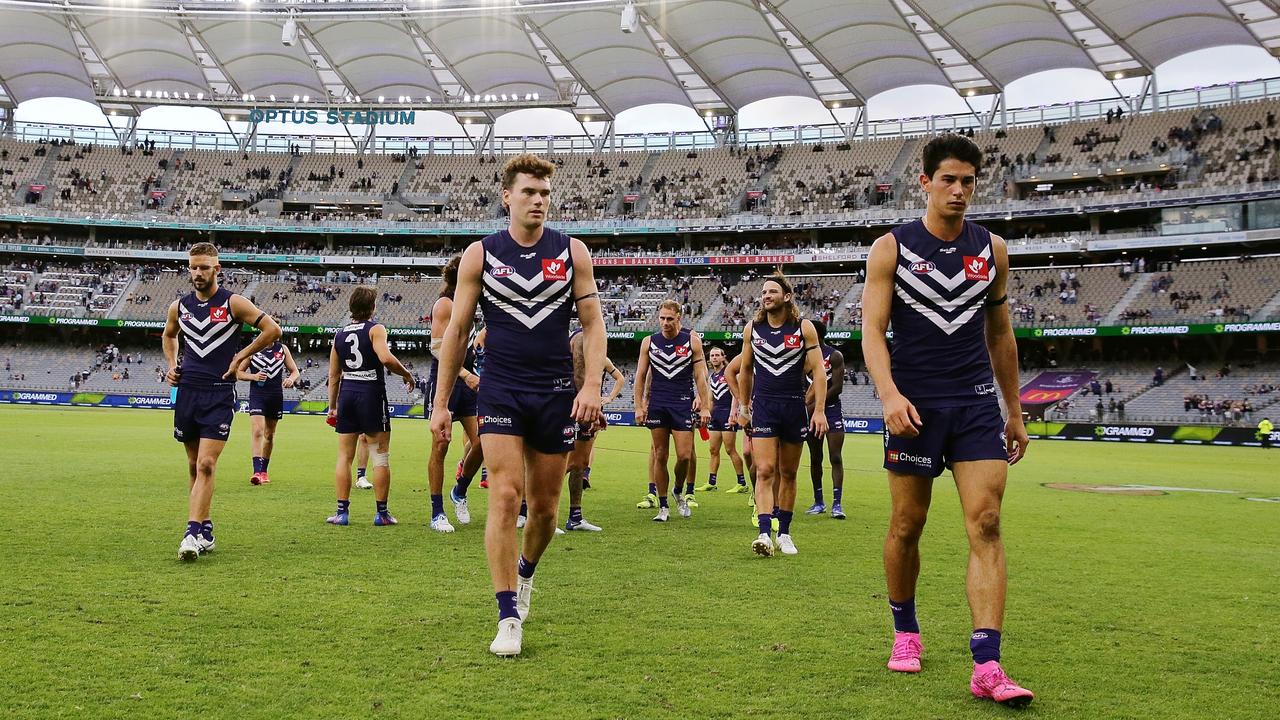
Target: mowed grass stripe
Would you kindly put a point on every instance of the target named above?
(1119, 606)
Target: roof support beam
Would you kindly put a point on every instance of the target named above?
(942, 32)
(244, 142)
(652, 28)
(606, 137)
(362, 146)
(769, 7)
(75, 26)
(1071, 6)
(416, 30)
(531, 27)
(217, 63)
(319, 50)
(1084, 10)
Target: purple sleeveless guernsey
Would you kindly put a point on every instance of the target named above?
(209, 331)
(777, 359)
(939, 352)
(270, 361)
(672, 363)
(721, 398)
(526, 303)
(361, 368)
(826, 365)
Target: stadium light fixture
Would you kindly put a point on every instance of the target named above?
(306, 98)
(148, 93)
(199, 96)
(380, 98)
(295, 98)
(273, 98)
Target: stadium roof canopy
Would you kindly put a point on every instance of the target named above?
(714, 56)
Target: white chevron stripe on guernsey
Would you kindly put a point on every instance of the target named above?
(271, 368)
(203, 348)
(950, 283)
(529, 321)
(947, 326)
(777, 359)
(514, 295)
(527, 283)
(941, 301)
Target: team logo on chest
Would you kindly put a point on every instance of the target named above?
(682, 351)
(791, 341)
(554, 269)
(976, 268)
(218, 314)
(948, 301)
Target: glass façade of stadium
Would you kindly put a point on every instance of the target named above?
(1111, 206)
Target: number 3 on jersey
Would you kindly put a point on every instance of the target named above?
(357, 359)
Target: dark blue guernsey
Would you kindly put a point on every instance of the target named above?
(361, 368)
(939, 352)
(469, 358)
(526, 301)
(270, 361)
(826, 365)
(721, 398)
(777, 361)
(671, 360)
(209, 330)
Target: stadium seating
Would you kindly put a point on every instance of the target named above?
(1220, 145)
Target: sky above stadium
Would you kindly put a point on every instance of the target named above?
(1200, 68)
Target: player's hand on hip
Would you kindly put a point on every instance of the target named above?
(818, 424)
(442, 424)
(901, 418)
(1015, 439)
(473, 382)
(586, 406)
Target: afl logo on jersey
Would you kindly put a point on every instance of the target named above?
(791, 341)
(976, 268)
(218, 314)
(924, 267)
(554, 269)
(501, 271)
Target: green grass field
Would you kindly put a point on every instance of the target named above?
(1120, 606)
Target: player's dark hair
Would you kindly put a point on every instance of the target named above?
(203, 248)
(526, 163)
(363, 300)
(950, 146)
(450, 275)
(793, 312)
(821, 329)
